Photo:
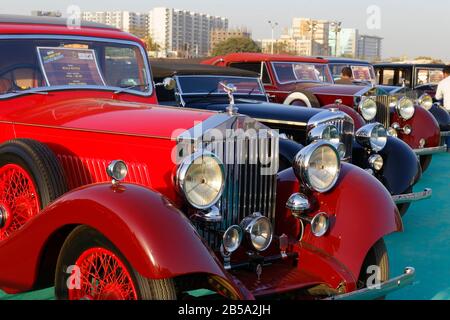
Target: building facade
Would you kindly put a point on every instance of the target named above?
(132, 22)
(347, 43)
(221, 35)
(183, 33)
(40, 13)
(369, 47)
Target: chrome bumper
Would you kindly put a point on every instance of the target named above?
(413, 197)
(406, 279)
(430, 151)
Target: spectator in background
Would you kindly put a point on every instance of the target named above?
(443, 89)
(346, 76)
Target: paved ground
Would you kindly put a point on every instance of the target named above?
(425, 244)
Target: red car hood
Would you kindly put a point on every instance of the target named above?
(329, 89)
(104, 115)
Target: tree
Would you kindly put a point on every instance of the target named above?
(151, 45)
(282, 48)
(233, 45)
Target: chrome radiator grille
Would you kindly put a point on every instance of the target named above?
(383, 111)
(248, 188)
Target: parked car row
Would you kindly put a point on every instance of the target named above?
(122, 183)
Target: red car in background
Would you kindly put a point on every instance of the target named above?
(106, 195)
(308, 82)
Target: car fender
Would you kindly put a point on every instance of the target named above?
(361, 213)
(424, 126)
(154, 236)
(401, 169)
(442, 117)
(288, 151)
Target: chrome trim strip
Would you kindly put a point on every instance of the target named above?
(148, 72)
(290, 123)
(445, 133)
(402, 281)
(430, 151)
(413, 197)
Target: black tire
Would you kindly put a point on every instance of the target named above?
(425, 162)
(377, 256)
(404, 207)
(311, 97)
(84, 238)
(42, 165)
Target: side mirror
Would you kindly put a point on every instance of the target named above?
(169, 84)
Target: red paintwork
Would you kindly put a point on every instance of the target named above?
(87, 129)
(424, 126)
(258, 57)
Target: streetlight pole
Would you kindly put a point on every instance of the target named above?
(273, 25)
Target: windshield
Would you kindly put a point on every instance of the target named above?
(212, 85)
(301, 72)
(426, 76)
(44, 64)
(362, 73)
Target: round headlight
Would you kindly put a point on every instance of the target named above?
(405, 108)
(368, 109)
(232, 239)
(117, 170)
(372, 136)
(201, 178)
(317, 166)
(376, 162)
(325, 132)
(426, 101)
(259, 230)
(320, 224)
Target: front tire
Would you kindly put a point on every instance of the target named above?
(102, 272)
(377, 256)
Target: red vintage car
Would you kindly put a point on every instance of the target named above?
(308, 82)
(106, 195)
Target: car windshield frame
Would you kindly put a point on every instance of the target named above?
(351, 65)
(261, 92)
(147, 72)
(326, 68)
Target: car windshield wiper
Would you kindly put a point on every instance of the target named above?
(125, 89)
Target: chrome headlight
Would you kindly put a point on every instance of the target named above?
(232, 239)
(201, 178)
(318, 166)
(368, 109)
(259, 230)
(405, 108)
(117, 170)
(426, 101)
(393, 100)
(325, 132)
(372, 136)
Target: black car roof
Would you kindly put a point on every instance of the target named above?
(408, 65)
(169, 68)
(21, 19)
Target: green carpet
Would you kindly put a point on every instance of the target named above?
(425, 244)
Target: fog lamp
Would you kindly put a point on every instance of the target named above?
(232, 239)
(376, 162)
(407, 130)
(320, 224)
(258, 230)
(117, 170)
(392, 132)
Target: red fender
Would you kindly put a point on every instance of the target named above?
(357, 118)
(424, 126)
(154, 236)
(361, 213)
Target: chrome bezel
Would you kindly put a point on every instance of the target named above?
(399, 110)
(110, 170)
(183, 169)
(323, 231)
(421, 101)
(241, 235)
(364, 136)
(317, 133)
(249, 223)
(301, 165)
(361, 106)
(373, 159)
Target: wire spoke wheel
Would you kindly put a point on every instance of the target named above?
(18, 199)
(103, 276)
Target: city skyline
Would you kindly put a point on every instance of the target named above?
(408, 28)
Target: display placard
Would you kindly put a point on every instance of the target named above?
(361, 73)
(70, 67)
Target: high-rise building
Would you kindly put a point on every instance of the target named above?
(183, 33)
(135, 23)
(221, 35)
(369, 47)
(316, 31)
(347, 43)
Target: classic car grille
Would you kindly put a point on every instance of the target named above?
(346, 130)
(248, 189)
(383, 111)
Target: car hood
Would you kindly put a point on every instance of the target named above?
(265, 111)
(324, 88)
(105, 115)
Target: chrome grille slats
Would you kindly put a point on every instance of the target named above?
(383, 110)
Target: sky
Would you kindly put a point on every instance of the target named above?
(412, 28)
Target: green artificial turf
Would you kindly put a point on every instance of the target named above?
(425, 243)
